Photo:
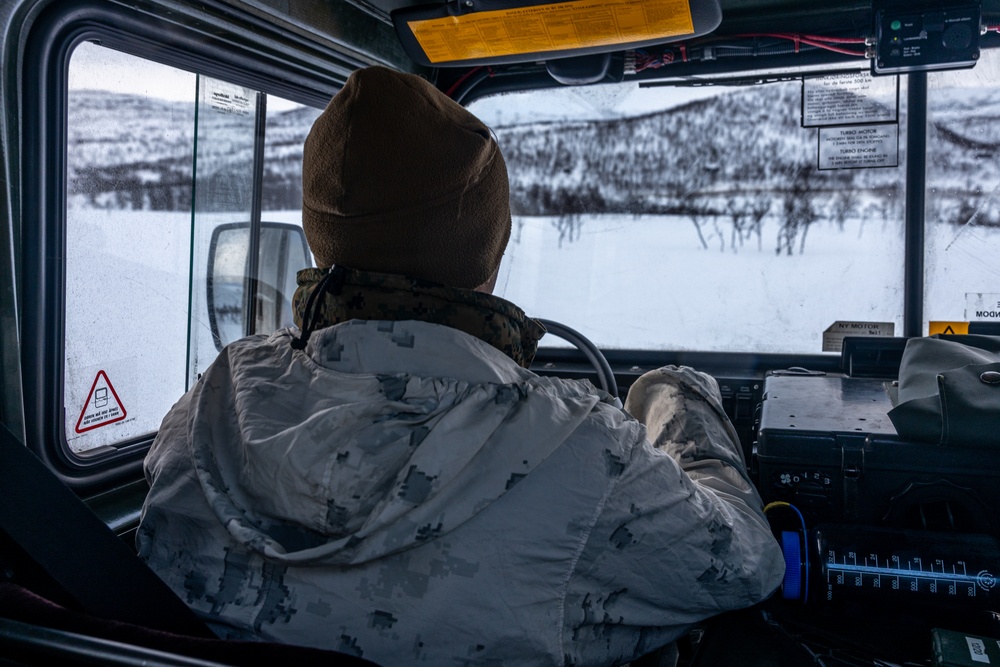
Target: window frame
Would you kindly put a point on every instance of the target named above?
(233, 46)
(914, 181)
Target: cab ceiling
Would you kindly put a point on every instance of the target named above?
(364, 27)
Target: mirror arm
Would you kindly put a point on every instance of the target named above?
(253, 254)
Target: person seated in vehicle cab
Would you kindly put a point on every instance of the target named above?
(390, 480)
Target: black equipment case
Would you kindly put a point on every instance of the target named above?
(826, 445)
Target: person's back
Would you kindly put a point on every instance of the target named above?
(392, 481)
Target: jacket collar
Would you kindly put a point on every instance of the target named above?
(343, 294)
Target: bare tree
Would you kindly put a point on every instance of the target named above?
(697, 211)
(739, 212)
(799, 213)
(760, 206)
(747, 215)
(689, 194)
(569, 226)
(845, 202)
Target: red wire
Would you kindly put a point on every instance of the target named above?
(813, 40)
(836, 40)
(462, 79)
(817, 41)
(835, 49)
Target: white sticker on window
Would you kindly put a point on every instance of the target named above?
(228, 98)
(858, 147)
(846, 99)
(833, 337)
(982, 307)
(103, 406)
(977, 650)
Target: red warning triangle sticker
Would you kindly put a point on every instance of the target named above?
(103, 406)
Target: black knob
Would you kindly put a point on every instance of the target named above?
(957, 36)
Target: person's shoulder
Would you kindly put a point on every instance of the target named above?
(250, 351)
(606, 416)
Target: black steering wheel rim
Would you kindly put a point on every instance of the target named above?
(605, 376)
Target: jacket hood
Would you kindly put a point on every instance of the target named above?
(325, 456)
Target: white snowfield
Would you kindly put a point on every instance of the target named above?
(624, 282)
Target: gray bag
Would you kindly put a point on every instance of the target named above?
(949, 391)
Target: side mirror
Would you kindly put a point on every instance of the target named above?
(246, 297)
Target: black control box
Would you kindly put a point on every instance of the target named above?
(826, 445)
(911, 40)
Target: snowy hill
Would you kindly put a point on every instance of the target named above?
(112, 135)
(708, 156)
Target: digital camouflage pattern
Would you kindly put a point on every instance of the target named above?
(405, 492)
(366, 295)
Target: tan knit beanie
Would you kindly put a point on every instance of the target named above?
(398, 178)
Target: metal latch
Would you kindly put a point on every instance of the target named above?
(852, 470)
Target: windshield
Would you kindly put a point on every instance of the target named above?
(697, 218)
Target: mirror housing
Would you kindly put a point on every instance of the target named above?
(247, 297)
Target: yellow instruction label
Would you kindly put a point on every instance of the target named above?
(555, 27)
(947, 328)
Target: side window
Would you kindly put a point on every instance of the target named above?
(128, 244)
(162, 164)
(963, 194)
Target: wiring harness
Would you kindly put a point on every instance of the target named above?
(743, 45)
(752, 44)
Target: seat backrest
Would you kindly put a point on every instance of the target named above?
(94, 585)
(39, 626)
(90, 567)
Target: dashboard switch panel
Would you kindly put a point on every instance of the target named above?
(915, 41)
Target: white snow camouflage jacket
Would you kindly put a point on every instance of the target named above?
(404, 492)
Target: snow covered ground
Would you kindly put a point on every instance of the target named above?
(625, 282)
(648, 283)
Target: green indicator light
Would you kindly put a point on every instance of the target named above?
(896, 25)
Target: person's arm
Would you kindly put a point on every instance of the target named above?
(683, 414)
(682, 535)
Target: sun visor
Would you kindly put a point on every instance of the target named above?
(489, 32)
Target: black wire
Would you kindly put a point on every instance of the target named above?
(334, 279)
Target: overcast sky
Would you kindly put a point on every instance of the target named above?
(94, 67)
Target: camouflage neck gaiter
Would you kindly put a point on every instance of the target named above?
(365, 295)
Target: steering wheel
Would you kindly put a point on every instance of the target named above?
(605, 376)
